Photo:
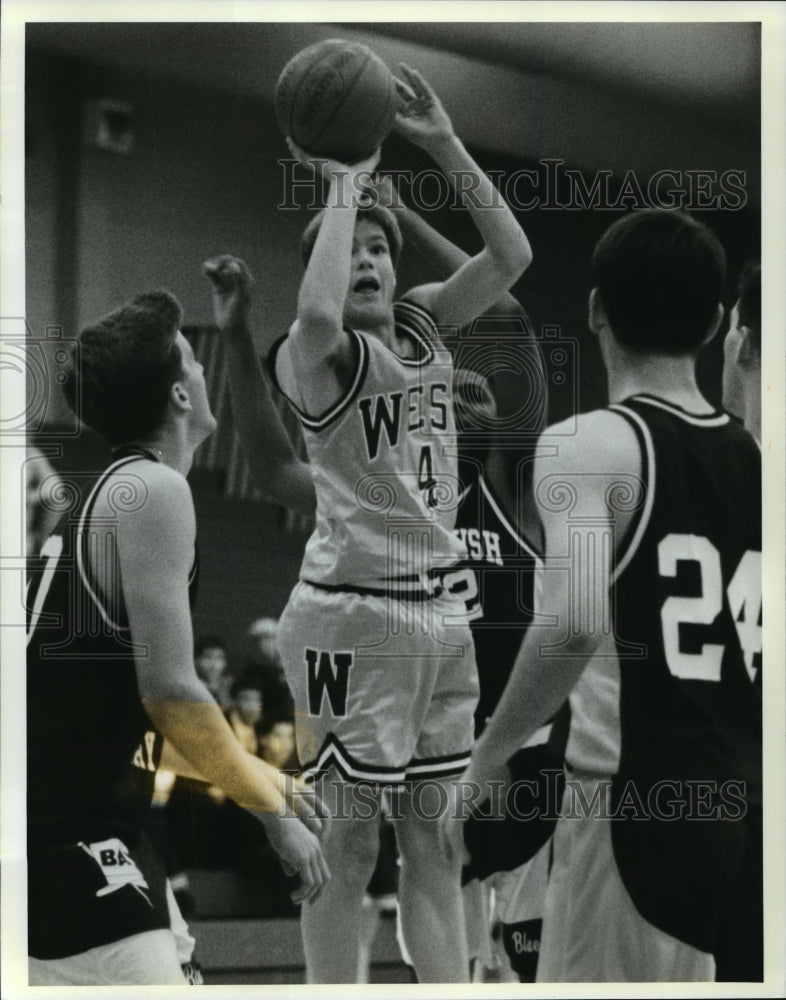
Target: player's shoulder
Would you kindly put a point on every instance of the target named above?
(146, 490)
(421, 296)
(597, 441)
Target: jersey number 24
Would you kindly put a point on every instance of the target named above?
(744, 596)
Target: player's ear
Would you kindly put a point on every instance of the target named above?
(596, 316)
(178, 396)
(747, 353)
(715, 325)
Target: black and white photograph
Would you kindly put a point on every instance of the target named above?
(391, 423)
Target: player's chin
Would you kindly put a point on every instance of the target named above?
(370, 313)
(208, 426)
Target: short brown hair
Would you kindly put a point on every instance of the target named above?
(377, 213)
(123, 366)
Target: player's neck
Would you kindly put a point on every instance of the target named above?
(384, 330)
(171, 449)
(668, 377)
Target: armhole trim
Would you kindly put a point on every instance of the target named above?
(415, 320)
(641, 519)
(82, 556)
(335, 411)
(496, 507)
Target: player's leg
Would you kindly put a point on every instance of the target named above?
(520, 896)
(430, 897)
(331, 924)
(360, 697)
(148, 959)
(592, 931)
(184, 940)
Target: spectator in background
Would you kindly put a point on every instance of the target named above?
(278, 705)
(192, 806)
(277, 745)
(210, 661)
(245, 711)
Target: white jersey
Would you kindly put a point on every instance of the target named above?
(383, 459)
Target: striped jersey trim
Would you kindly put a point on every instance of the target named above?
(649, 471)
(334, 753)
(80, 539)
(409, 317)
(697, 419)
(504, 519)
(341, 404)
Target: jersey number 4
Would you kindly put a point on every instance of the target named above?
(426, 481)
(743, 594)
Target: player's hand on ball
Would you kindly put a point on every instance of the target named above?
(386, 193)
(231, 283)
(329, 168)
(421, 117)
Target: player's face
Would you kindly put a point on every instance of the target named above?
(249, 703)
(210, 666)
(372, 278)
(193, 381)
(733, 389)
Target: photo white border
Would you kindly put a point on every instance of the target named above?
(15, 14)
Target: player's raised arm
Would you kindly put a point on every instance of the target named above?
(267, 447)
(506, 253)
(444, 257)
(156, 550)
(318, 331)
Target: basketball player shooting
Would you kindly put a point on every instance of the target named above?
(380, 703)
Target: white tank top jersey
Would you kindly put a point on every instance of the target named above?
(383, 459)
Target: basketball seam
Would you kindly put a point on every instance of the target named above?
(347, 92)
(381, 116)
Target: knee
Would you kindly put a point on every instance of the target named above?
(421, 851)
(353, 849)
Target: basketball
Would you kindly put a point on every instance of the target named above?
(336, 99)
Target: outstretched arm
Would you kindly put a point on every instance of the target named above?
(267, 447)
(553, 657)
(156, 542)
(480, 281)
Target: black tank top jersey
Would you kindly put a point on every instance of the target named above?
(92, 752)
(686, 588)
(505, 569)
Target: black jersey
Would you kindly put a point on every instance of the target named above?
(506, 568)
(91, 749)
(675, 717)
